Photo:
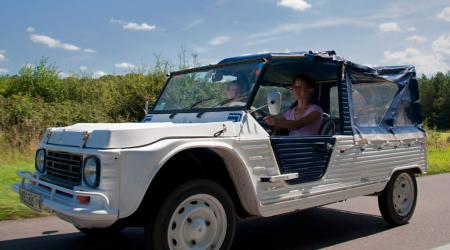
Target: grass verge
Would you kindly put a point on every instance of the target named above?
(438, 161)
(10, 206)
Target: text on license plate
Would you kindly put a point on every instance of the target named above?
(32, 200)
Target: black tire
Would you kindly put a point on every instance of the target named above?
(157, 230)
(112, 230)
(390, 213)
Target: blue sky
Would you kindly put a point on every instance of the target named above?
(114, 37)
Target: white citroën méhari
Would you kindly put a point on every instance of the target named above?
(199, 160)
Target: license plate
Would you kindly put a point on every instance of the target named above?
(32, 200)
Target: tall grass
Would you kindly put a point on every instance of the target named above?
(10, 206)
(438, 152)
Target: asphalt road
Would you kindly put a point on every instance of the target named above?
(354, 224)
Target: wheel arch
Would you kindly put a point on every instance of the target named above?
(207, 161)
(415, 168)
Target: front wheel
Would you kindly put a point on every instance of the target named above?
(197, 215)
(398, 200)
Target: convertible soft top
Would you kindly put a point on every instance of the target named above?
(327, 66)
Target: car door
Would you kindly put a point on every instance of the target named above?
(320, 160)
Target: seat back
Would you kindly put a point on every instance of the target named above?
(327, 127)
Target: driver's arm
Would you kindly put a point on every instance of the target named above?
(281, 122)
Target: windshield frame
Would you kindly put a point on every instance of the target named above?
(209, 67)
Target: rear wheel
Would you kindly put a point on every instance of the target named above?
(196, 215)
(398, 200)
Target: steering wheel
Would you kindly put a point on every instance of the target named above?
(259, 114)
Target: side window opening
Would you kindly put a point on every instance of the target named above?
(405, 112)
(334, 109)
(334, 103)
(371, 97)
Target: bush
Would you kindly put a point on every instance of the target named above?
(37, 98)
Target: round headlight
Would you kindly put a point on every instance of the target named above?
(39, 163)
(91, 171)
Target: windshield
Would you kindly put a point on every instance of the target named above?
(216, 87)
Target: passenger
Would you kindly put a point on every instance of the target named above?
(235, 95)
(233, 90)
(304, 118)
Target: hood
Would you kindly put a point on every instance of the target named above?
(126, 135)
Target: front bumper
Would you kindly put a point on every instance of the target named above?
(62, 201)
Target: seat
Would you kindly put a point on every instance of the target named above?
(327, 127)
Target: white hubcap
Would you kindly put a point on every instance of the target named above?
(199, 222)
(403, 194)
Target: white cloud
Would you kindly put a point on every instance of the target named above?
(444, 14)
(134, 26)
(2, 55)
(83, 68)
(391, 26)
(3, 71)
(425, 63)
(124, 65)
(68, 46)
(442, 45)
(27, 65)
(53, 43)
(30, 29)
(50, 42)
(219, 40)
(89, 51)
(412, 28)
(299, 5)
(417, 39)
(63, 75)
(137, 26)
(98, 74)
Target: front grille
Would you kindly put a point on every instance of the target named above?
(63, 168)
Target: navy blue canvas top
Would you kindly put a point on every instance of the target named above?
(403, 76)
(393, 73)
(274, 56)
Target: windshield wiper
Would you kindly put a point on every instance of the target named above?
(236, 99)
(198, 102)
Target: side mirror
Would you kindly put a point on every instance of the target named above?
(146, 108)
(274, 102)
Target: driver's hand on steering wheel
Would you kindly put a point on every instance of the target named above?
(270, 120)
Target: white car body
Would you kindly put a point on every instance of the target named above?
(132, 153)
(261, 174)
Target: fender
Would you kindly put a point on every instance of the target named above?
(234, 163)
(410, 167)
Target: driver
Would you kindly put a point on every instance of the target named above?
(305, 117)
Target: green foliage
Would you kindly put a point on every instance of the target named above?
(435, 100)
(38, 98)
(10, 206)
(438, 152)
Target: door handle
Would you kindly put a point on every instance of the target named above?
(323, 146)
